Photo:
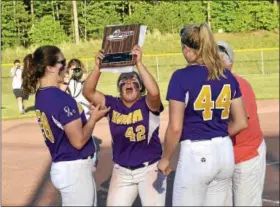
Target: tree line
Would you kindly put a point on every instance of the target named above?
(33, 22)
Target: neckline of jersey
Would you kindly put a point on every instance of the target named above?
(47, 87)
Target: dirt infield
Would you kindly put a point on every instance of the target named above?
(26, 161)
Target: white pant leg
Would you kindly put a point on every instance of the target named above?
(152, 186)
(122, 191)
(75, 181)
(219, 186)
(248, 180)
(196, 168)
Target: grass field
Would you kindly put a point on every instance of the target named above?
(265, 87)
(249, 64)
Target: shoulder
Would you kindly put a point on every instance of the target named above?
(190, 72)
(60, 98)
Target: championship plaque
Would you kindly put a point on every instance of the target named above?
(118, 41)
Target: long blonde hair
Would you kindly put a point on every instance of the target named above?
(201, 40)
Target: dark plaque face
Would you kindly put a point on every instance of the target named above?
(118, 42)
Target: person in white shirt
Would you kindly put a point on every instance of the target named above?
(73, 84)
(15, 73)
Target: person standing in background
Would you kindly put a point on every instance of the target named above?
(249, 146)
(15, 73)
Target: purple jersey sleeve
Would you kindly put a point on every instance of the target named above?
(68, 111)
(175, 90)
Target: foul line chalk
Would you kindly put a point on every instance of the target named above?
(270, 201)
(273, 163)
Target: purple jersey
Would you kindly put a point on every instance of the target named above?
(207, 101)
(134, 131)
(54, 109)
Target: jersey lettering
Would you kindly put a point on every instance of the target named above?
(126, 119)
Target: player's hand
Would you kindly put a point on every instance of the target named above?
(96, 113)
(98, 59)
(163, 166)
(137, 51)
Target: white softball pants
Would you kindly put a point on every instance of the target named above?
(247, 184)
(75, 181)
(203, 173)
(125, 185)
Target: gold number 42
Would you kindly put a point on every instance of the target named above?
(45, 126)
(135, 137)
(205, 104)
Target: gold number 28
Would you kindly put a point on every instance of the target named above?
(44, 125)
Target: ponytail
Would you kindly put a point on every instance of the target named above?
(201, 40)
(209, 53)
(29, 75)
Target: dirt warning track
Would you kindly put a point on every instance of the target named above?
(26, 161)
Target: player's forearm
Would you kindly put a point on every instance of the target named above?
(171, 141)
(91, 83)
(87, 131)
(148, 80)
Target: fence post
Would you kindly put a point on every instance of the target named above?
(157, 68)
(262, 62)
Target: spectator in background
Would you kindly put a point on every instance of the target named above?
(249, 146)
(15, 73)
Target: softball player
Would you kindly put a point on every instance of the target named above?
(202, 96)
(64, 126)
(134, 121)
(249, 146)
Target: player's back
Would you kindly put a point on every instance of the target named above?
(207, 101)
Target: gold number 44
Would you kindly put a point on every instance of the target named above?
(138, 136)
(44, 125)
(205, 104)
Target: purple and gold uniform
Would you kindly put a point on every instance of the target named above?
(207, 101)
(206, 154)
(54, 109)
(135, 132)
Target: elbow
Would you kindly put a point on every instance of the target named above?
(154, 93)
(176, 130)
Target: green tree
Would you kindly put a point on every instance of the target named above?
(47, 31)
(15, 24)
(96, 15)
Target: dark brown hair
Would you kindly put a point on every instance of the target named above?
(201, 39)
(35, 65)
